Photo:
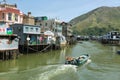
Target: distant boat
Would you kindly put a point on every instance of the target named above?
(118, 52)
(77, 61)
(80, 42)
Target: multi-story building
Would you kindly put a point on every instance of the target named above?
(28, 19)
(67, 32)
(53, 25)
(29, 36)
(67, 29)
(43, 22)
(10, 14)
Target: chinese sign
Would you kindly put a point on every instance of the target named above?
(7, 31)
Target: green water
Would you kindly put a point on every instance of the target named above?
(105, 64)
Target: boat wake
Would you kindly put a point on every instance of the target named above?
(58, 71)
(89, 61)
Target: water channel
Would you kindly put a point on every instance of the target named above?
(105, 64)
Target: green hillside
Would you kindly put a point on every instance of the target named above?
(98, 21)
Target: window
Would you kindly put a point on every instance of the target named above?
(55, 30)
(40, 24)
(26, 29)
(36, 29)
(16, 17)
(31, 29)
(3, 15)
(45, 24)
(9, 16)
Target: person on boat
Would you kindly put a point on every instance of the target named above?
(75, 61)
(80, 58)
(69, 60)
(72, 61)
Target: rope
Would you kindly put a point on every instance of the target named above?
(38, 50)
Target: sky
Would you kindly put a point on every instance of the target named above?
(64, 10)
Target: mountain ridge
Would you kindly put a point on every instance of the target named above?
(101, 17)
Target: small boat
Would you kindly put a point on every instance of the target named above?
(77, 61)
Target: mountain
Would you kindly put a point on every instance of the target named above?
(102, 17)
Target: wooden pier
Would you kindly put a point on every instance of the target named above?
(112, 38)
(8, 54)
(8, 47)
(26, 49)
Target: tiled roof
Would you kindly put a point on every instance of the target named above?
(11, 10)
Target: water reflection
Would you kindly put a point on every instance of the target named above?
(62, 55)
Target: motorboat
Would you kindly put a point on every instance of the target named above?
(77, 61)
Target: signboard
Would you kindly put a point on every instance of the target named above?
(7, 31)
(49, 33)
(2, 31)
(5, 46)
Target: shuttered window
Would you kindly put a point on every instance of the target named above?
(10, 16)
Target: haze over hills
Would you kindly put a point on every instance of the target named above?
(101, 18)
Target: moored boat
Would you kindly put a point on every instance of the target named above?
(77, 61)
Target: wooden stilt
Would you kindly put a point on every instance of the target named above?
(6, 55)
(9, 55)
(3, 55)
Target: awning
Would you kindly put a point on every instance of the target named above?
(49, 33)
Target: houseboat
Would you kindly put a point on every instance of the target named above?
(112, 37)
(8, 44)
(30, 38)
